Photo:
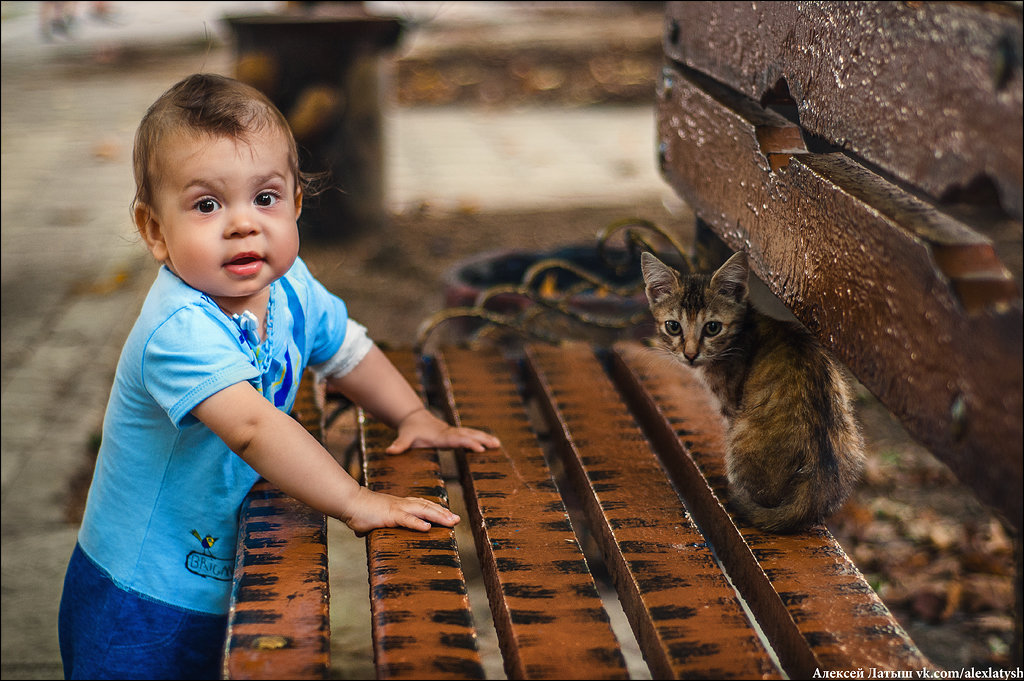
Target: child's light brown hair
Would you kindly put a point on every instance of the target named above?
(207, 104)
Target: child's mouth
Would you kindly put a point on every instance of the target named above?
(244, 265)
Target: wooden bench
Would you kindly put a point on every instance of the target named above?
(868, 158)
(603, 444)
(854, 151)
(870, 166)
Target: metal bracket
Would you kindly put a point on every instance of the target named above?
(541, 310)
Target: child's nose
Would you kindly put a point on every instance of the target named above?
(241, 222)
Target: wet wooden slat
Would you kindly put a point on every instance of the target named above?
(685, 615)
(422, 624)
(279, 622)
(914, 301)
(546, 607)
(929, 91)
(811, 601)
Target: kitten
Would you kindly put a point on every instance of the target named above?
(793, 452)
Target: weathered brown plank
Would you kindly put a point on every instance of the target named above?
(546, 607)
(884, 279)
(685, 615)
(811, 601)
(422, 624)
(279, 623)
(932, 92)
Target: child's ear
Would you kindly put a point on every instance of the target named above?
(149, 228)
(298, 202)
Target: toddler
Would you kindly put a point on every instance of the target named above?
(199, 406)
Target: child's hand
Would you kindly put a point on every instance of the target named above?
(371, 510)
(423, 429)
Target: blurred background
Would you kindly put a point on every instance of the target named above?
(461, 131)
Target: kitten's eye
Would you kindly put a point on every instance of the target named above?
(673, 328)
(712, 328)
(206, 205)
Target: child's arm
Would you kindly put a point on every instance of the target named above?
(377, 386)
(283, 452)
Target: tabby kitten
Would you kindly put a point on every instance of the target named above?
(793, 452)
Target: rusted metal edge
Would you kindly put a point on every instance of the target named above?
(547, 611)
(279, 624)
(686, 617)
(868, 269)
(930, 91)
(810, 600)
(422, 624)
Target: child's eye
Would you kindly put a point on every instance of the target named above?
(206, 205)
(266, 199)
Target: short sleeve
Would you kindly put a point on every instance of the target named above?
(325, 315)
(353, 350)
(190, 357)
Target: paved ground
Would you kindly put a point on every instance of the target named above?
(74, 274)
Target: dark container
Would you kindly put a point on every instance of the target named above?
(322, 70)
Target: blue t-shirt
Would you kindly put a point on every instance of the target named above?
(162, 513)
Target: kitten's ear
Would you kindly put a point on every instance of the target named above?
(660, 279)
(731, 278)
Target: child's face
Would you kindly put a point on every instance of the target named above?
(224, 215)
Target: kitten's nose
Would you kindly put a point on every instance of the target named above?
(691, 349)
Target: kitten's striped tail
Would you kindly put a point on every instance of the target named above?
(794, 514)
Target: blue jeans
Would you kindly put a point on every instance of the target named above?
(109, 633)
